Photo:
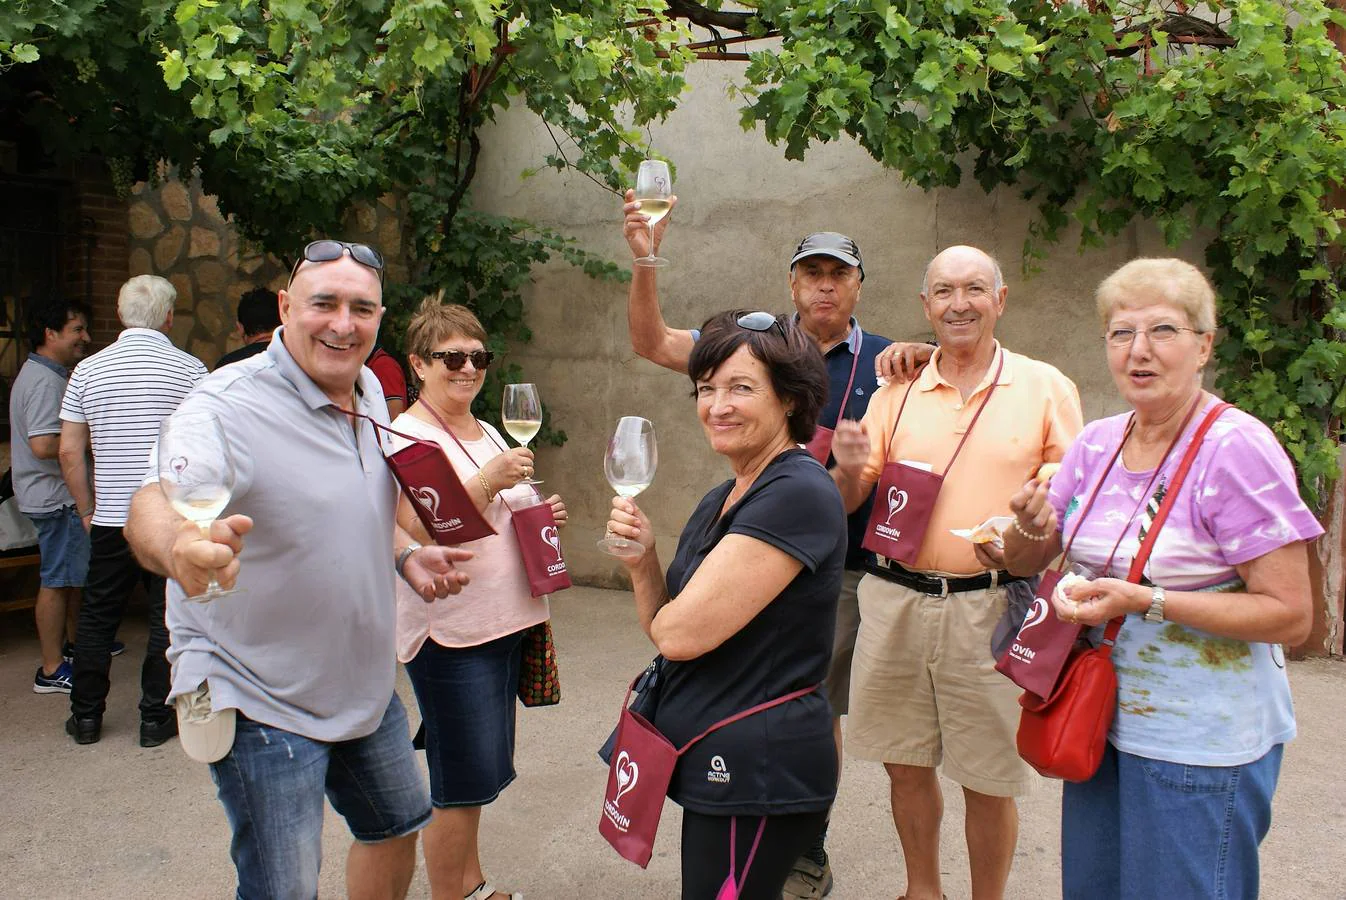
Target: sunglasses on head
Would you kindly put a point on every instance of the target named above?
(329, 250)
(761, 321)
(456, 359)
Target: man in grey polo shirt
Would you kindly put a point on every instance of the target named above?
(59, 335)
(304, 651)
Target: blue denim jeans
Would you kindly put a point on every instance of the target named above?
(272, 785)
(1143, 829)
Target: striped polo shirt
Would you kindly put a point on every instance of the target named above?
(123, 392)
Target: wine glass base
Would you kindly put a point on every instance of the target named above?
(621, 547)
(212, 594)
(530, 481)
(651, 262)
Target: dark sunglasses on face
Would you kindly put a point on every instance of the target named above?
(329, 250)
(456, 359)
(761, 321)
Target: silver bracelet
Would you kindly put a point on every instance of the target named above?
(403, 556)
(1032, 537)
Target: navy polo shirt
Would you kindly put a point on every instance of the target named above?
(852, 406)
(839, 360)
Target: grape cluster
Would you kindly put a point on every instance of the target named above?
(86, 70)
(123, 175)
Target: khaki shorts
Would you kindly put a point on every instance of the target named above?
(838, 682)
(924, 689)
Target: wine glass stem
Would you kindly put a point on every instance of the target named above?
(212, 586)
(651, 256)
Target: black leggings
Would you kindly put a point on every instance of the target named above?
(705, 852)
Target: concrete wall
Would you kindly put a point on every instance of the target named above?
(742, 208)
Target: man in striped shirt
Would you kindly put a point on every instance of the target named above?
(113, 405)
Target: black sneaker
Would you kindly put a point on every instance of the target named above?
(84, 729)
(152, 734)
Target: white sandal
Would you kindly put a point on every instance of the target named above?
(486, 890)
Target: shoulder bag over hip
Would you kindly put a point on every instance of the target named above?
(906, 495)
(534, 526)
(433, 488)
(1064, 735)
(639, 775)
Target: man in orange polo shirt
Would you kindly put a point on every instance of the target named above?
(924, 690)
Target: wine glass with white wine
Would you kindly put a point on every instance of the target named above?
(629, 465)
(521, 413)
(654, 187)
(196, 474)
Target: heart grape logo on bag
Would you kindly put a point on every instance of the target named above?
(551, 537)
(427, 497)
(897, 501)
(628, 773)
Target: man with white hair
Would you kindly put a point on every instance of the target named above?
(924, 690)
(113, 405)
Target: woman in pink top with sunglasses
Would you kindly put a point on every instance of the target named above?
(463, 657)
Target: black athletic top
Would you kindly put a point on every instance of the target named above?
(782, 760)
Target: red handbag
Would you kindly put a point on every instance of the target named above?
(1064, 736)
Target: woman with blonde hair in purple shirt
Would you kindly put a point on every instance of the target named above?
(1183, 796)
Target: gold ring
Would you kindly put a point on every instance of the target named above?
(1075, 614)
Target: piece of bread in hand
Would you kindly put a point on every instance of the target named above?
(1046, 472)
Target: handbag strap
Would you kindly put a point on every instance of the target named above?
(1098, 485)
(973, 424)
(855, 361)
(379, 426)
(738, 883)
(449, 431)
(1161, 516)
(761, 707)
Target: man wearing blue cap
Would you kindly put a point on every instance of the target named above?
(825, 277)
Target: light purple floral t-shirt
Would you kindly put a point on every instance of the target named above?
(1184, 695)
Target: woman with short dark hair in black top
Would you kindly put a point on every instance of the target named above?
(746, 611)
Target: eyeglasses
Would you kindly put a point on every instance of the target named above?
(456, 359)
(1158, 334)
(761, 321)
(329, 250)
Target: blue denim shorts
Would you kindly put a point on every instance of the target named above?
(272, 785)
(468, 697)
(64, 546)
(1144, 828)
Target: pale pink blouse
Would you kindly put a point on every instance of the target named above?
(497, 602)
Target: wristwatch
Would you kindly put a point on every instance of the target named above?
(404, 556)
(1156, 611)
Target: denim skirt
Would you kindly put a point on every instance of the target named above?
(468, 697)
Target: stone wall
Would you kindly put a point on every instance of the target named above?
(178, 232)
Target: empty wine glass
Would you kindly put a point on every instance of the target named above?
(629, 465)
(654, 187)
(521, 413)
(196, 474)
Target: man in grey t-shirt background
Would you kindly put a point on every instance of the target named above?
(58, 332)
